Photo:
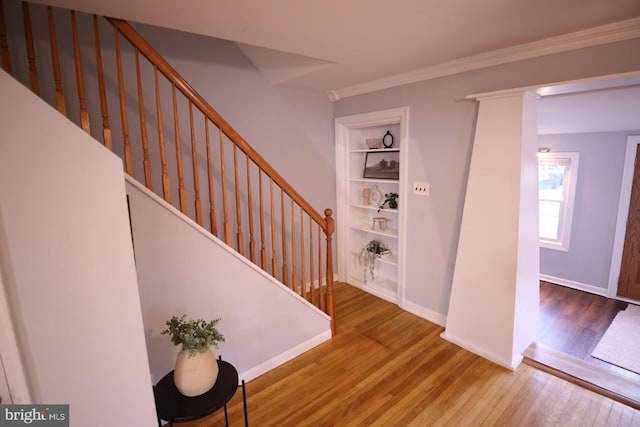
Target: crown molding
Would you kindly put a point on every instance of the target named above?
(609, 33)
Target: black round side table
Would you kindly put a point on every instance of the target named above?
(173, 406)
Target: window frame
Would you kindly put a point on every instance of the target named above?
(569, 184)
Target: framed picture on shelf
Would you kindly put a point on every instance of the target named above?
(382, 165)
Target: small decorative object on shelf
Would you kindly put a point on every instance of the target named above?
(368, 255)
(375, 196)
(366, 196)
(390, 199)
(387, 140)
(196, 368)
(379, 221)
(374, 143)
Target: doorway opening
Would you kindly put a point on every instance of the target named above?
(574, 316)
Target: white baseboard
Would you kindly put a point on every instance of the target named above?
(381, 292)
(574, 285)
(509, 364)
(425, 313)
(282, 358)
(413, 308)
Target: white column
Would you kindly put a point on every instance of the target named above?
(493, 308)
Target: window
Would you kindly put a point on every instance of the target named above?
(557, 176)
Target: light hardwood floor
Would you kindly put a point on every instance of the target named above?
(387, 367)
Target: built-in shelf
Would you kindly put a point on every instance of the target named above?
(373, 150)
(390, 259)
(375, 181)
(375, 208)
(355, 217)
(389, 232)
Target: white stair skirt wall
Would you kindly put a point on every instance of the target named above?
(67, 266)
(493, 309)
(183, 269)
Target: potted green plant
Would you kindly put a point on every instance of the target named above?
(390, 199)
(196, 367)
(368, 255)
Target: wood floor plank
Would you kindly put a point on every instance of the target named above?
(573, 322)
(388, 367)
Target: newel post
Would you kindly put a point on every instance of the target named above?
(331, 302)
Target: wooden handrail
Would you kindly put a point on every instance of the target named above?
(290, 249)
(181, 84)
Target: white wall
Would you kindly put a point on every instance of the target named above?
(185, 270)
(587, 263)
(68, 267)
(441, 129)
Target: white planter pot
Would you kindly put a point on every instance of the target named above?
(195, 375)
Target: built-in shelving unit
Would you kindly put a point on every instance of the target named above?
(355, 216)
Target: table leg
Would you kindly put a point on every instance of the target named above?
(244, 405)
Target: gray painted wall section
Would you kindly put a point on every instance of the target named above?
(596, 206)
(441, 129)
(291, 128)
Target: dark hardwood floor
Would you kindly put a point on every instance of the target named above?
(573, 322)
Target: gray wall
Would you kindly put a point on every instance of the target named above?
(291, 128)
(596, 206)
(441, 129)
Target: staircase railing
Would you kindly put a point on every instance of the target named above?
(269, 223)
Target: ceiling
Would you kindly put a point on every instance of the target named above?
(346, 47)
(341, 46)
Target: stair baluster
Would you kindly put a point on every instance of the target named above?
(5, 55)
(84, 114)
(252, 243)
(296, 257)
(104, 111)
(239, 234)
(55, 60)
(182, 195)
(31, 51)
(148, 180)
(166, 184)
(212, 209)
(128, 157)
(194, 163)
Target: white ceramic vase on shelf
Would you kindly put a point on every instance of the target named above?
(195, 374)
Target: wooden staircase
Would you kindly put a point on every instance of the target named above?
(180, 140)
